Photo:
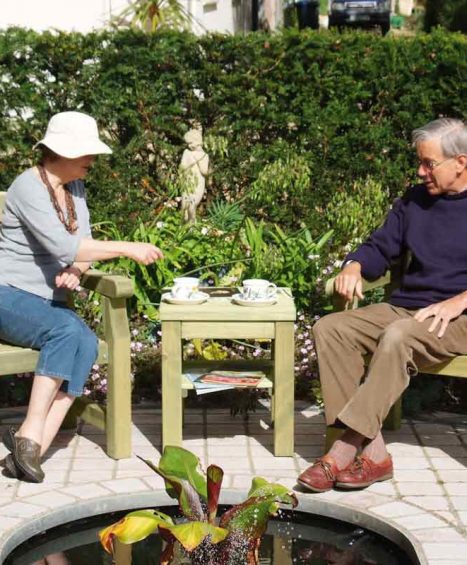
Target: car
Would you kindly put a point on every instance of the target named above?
(360, 13)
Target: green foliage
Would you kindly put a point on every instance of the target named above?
(225, 216)
(280, 191)
(254, 250)
(288, 119)
(355, 212)
(451, 14)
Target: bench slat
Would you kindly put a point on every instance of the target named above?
(15, 360)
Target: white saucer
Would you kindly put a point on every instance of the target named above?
(240, 300)
(196, 298)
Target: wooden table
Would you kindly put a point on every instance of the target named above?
(219, 318)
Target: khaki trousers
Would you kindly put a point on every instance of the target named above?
(399, 346)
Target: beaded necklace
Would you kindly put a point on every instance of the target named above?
(70, 222)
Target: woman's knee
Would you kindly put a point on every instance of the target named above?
(68, 331)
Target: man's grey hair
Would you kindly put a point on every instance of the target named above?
(451, 132)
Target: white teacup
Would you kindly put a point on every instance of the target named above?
(258, 289)
(184, 287)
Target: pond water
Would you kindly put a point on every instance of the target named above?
(294, 538)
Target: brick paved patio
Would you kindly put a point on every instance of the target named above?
(427, 498)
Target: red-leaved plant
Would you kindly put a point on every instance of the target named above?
(232, 540)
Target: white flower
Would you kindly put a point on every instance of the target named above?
(204, 231)
(160, 225)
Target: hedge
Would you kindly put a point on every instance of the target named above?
(288, 118)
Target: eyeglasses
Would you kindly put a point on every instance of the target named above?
(430, 164)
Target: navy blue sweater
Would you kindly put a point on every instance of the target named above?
(434, 229)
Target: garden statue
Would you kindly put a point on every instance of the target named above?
(193, 170)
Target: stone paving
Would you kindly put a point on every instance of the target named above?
(426, 499)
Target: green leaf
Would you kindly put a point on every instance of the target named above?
(250, 518)
(184, 479)
(191, 534)
(134, 527)
(262, 488)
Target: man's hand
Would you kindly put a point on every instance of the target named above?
(68, 278)
(443, 312)
(348, 282)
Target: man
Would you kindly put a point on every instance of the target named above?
(424, 323)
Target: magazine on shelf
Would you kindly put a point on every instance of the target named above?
(215, 381)
(235, 378)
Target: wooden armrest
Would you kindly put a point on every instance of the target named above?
(112, 286)
(367, 285)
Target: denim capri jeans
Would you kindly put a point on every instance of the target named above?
(68, 348)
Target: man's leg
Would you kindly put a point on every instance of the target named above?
(404, 347)
(342, 339)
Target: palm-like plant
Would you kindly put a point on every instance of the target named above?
(151, 15)
(234, 540)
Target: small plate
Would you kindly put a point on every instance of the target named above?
(197, 298)
(238, 299)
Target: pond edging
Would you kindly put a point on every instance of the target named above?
(51, 518)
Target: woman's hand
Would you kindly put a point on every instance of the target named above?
(348, 282)
(68, 278)
(144, 253)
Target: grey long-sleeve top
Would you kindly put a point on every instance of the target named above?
(34, 244)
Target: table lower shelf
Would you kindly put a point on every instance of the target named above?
(201, 366)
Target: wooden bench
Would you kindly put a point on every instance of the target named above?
(114, 350)
(456, 367)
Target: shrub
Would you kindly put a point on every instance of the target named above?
(355, 212)
(288, 118)
(451, 14)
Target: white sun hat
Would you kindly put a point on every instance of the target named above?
(72, 135)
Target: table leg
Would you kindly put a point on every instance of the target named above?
(171, 384)
(272, 391)
(284, 389)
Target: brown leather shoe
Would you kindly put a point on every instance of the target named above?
(321, 476)
(11, 470)
(364, 472)
(8, 437)
(27, 456)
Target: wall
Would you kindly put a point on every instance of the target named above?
(66, 15)
(209, 15)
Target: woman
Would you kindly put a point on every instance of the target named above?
(45, 246)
